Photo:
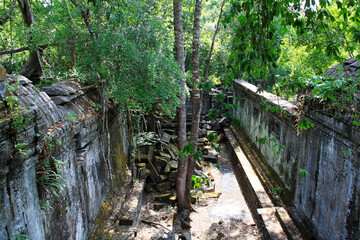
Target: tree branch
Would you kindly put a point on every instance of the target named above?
(17, 50)
(84, 15)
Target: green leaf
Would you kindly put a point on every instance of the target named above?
(217, 148)
(213, 114)
(187, 149)
(197, 155)
(212, 137)
(303, 173)
(237, 122)
(356, 123)
(220, 97)
(305, 123)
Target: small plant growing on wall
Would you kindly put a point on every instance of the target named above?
(11, 110)
(48, 173)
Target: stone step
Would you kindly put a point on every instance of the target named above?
(274, 221)
(287, 223)
(273, 227)
(128, 220)
(253, 182)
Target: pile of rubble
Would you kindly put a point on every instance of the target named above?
(159, 161)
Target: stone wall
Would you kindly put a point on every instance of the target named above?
(328, 198)
(70, 118)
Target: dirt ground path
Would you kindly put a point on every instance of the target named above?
(225, 217)
(228, 216)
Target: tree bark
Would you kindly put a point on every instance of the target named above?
(33, 67)
(26, 11)
(196, 97)
(180, 58)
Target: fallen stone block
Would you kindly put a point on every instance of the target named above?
(210, 158)
(125, 221)
(209, 189)
(163, 197)
(164, 186)
(163, 178)
(174, 138)
(220, 138)
(172, 176)
(154, 175)
(160, 161)
(174, 164)
(149, 188)
(158, 205)
(212, 194)
(166, 137)
(198, 165)
(165, 156)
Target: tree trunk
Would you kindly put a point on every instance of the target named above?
(196, 97)
(33, 67)
(180, 58)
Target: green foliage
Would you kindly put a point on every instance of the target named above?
(305, 124)
(346, 153)
(19, 148)
(187, 150)
(266, 139)
(198, 181)
(212, 137)
(19, 122)
(237, 122)
(72, 117)
(356, 123)
(19, 237)
(220, 97)
(213, 114)
(129, 48)
(12, 102)
(217, 148)
(197, 155)
(218, 166)
(289, 41)
(277, 190)
(277, 148)
(303, 173)
(49, 180)
(271, 108)
(206, 87)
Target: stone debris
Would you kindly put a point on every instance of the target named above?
(166, 137)
(210, 158)
(212, 194)
(161, 161)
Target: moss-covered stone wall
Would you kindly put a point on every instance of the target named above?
(63, 124)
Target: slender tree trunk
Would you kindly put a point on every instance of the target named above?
(207, 69)
(196, 97)
(180, 58)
